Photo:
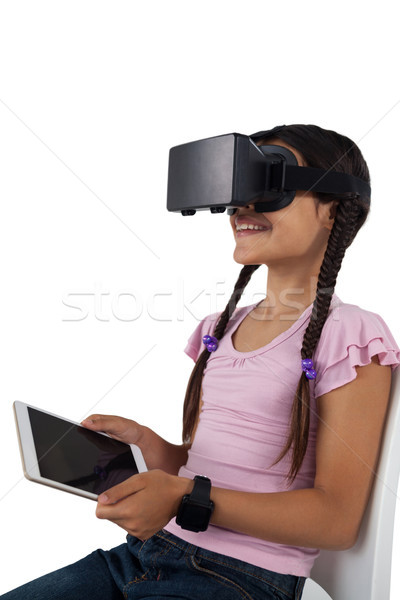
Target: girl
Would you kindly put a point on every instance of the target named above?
(284, 413)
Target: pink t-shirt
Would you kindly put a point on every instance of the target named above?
(247, 400)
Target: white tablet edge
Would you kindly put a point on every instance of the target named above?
(29, 457)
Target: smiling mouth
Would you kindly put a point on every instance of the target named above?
(250, 226)
(245, 230)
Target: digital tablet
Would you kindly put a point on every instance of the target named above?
(65, 455)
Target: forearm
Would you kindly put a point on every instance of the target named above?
(160, 454)
(308, 517)
(145, 503)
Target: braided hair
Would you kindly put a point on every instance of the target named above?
(323, 149)
(192, 399)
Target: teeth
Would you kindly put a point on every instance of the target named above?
(249, 226)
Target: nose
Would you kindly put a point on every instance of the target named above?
(235, 211)
(247, 207)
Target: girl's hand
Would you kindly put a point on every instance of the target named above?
(124, 430)
(157, 452)
(144, 503)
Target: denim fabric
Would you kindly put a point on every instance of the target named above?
(162, 567)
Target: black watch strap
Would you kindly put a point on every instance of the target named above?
(201, 490)
(196, 508)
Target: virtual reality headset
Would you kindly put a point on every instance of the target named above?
(230, 171)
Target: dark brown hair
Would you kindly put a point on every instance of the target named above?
(322, 149)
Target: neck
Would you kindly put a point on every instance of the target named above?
(288, 294)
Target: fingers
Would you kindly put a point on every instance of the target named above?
(139, 504)
(130, 486)
(119, 428)
(102, 422)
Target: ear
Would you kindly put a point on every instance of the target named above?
(327, 213)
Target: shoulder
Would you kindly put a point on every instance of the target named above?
(347, 322)
(339, 308)
(351, 337)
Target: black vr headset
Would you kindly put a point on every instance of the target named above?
(229, 171)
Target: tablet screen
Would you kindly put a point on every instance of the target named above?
(78, 457)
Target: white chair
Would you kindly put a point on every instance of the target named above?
(364, 571)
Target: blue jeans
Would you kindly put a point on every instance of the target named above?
(162, 567)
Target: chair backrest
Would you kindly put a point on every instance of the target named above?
(363, 572)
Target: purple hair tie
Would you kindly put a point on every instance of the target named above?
(210, 342)
(308, 368)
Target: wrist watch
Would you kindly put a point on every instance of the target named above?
(196, 508)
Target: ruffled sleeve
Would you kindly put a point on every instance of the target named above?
(350, 337)
(195, 343)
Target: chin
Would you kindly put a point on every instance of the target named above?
(246, 260)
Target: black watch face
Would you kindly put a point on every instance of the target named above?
(194, 517)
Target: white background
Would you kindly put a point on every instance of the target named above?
(100, 285)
